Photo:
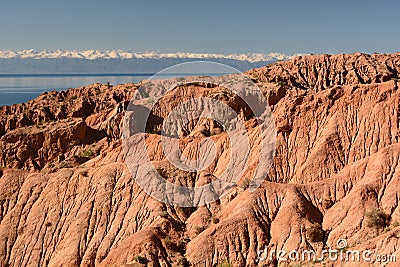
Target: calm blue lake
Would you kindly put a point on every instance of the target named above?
(21, 88)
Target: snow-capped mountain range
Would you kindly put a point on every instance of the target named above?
(121, 54)
(118, 61)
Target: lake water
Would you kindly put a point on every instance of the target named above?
(21, 88)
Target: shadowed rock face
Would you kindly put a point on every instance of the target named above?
(67, 198)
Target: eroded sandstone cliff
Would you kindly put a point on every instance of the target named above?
(68, 199)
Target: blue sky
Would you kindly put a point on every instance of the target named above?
(202, 26)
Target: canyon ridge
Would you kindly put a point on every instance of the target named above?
(67, 197)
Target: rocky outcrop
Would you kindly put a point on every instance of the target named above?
(324, 71)
(331, 129)
(35, 147)
(337, 160)
(86, 102)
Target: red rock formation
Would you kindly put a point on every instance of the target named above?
(67, 198)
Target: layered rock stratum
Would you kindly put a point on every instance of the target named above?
(68, 199)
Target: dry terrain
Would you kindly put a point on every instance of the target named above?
(68, 199)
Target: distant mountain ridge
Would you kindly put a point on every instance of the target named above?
(122, 54)
(118, 61)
